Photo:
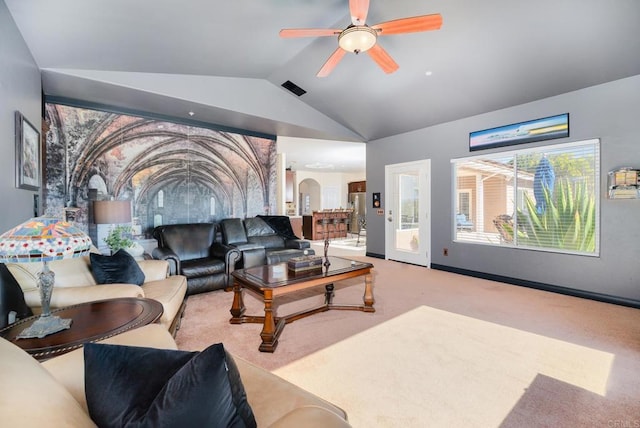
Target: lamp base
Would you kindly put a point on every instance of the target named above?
(44, 326)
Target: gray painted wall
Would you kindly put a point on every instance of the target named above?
(610, 112)
(20, 89)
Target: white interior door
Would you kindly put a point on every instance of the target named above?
(407, 212)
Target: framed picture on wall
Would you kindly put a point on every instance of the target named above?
(546, 128)
(27, 154)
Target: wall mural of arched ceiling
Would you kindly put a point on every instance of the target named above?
(204, 174)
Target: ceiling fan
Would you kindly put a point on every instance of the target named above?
(359, 37)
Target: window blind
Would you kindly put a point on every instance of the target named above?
(543, 198)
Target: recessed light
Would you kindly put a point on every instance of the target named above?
(428, 73)
(191, 113)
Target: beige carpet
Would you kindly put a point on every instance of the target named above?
(447, 369)
(442, 348)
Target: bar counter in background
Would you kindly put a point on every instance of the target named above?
(313, 226)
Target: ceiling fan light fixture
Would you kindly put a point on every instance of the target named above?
(357, 38)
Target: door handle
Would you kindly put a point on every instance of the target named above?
(389, 218)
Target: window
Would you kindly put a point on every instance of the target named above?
(160, 200)
(409, 208)
(544, 198)
(307, 204)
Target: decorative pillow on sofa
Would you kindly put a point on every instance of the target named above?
(119, 268)
(148, 387)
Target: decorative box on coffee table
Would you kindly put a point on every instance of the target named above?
(304, 264)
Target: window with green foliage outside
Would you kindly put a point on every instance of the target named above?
(543, 198)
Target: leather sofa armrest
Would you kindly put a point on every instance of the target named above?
(164, 253)
(297, 244)
(154, 270)
(270, 412)
(228, 253)
(310, 417)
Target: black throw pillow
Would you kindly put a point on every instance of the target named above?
(11, 298)
(148, 387)
(119, 268)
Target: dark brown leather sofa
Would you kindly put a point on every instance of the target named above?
(263, 240)
(192, 251)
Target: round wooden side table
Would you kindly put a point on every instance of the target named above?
(91, 322)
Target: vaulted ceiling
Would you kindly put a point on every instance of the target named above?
(225, 62)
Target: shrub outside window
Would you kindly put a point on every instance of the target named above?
(544, 198)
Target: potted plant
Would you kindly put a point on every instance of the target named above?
(119, 238)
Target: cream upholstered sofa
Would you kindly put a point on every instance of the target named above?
(75, 283)
(52, 393)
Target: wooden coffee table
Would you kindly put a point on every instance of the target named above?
(270, 281)
(91, 322)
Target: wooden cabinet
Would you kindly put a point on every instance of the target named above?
(290, 180)
(357, 186)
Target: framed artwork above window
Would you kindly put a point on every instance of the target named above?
(519, 133)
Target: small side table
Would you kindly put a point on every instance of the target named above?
(91, 322)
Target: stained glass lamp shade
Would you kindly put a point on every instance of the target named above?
(44, 239)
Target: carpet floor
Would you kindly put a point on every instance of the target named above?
(471, 372)
(445, 350)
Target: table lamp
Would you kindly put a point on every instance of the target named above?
(110, 212)
(43, 239)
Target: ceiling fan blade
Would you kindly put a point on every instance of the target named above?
(359, 10)
(308, 32)
(383, 59)
(331, 63)
(409, 25)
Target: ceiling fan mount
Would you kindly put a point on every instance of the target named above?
(359, 37)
